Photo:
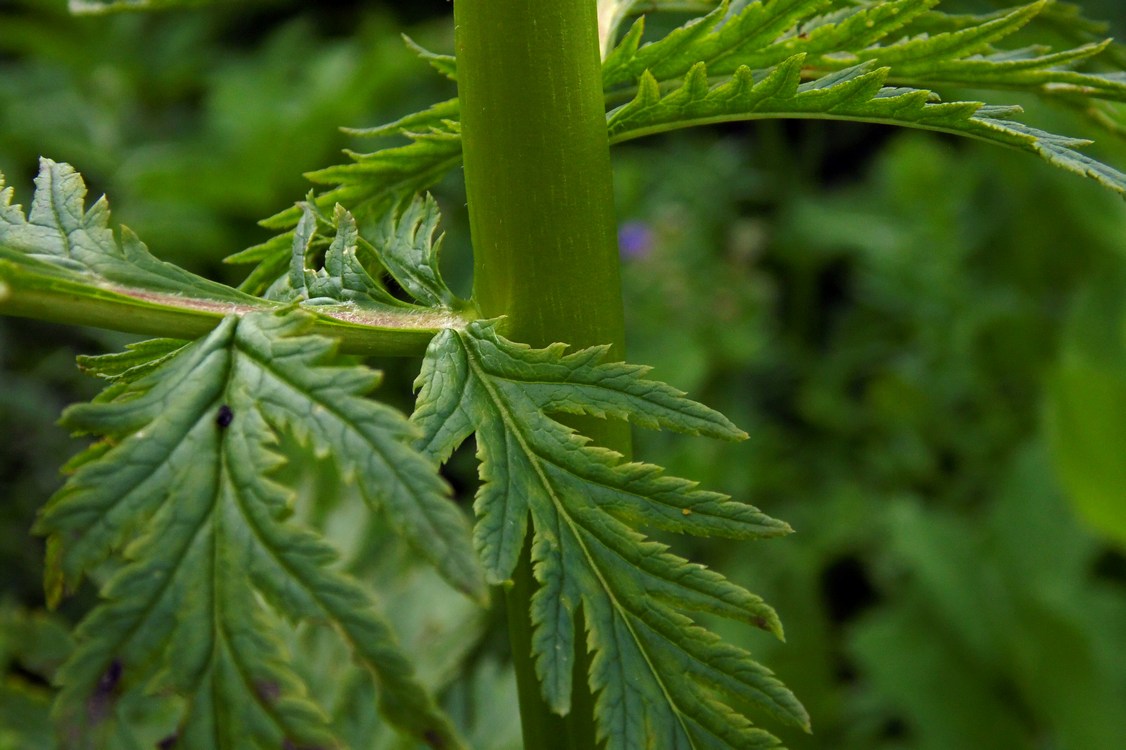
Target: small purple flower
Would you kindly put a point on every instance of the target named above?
(635, 240)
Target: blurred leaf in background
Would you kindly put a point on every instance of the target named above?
(1086, 406)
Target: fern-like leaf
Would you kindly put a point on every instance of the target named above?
(343, 277)
(375, 184)
(61, 261)
(403, 246)
(60, 232)
(444, 64)
(583, 502)
(612, 13)
(388, 176)
(855, 60)
(856, 94)
(180, 487)
(904, 35)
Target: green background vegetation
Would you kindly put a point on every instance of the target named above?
(925, 338)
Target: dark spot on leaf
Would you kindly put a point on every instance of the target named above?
(168, 742)
(268, 691)
(109, 680)
(434, 739)
(98, 706)
(224, 417)
(760, 622)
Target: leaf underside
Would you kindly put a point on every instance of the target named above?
(180, 488)
(656, 673)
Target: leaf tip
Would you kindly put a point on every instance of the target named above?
(55, 586)
(770, 623)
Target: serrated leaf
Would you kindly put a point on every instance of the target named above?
(430, 118)
(59, 231)
(444, 64)
(582, 501)
(971, 40)
(122, 369)
(406, 246)
(137, 359)
(762, 35)
(857, 94)
(61, 262)
(711, 38)
(343, 278)
(184, 474)
(403, 246)
(917, 47)
(375, 184)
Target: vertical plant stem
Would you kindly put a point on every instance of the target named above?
(538, 180)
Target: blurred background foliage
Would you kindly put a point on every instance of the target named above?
(925, 337)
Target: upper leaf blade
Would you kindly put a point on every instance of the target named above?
(581, 382)
(409, 251)
(843, 47)
(186, 475)
(580, 499)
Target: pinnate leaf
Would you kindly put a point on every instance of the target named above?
(409, 251)
(180, 488)
(858, 60)
(374, 184)
(858, 93)
(59, 232)
(343, 278)
(656, 673)
(403, 247)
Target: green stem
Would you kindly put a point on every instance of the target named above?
(58, 299)
(538, 180)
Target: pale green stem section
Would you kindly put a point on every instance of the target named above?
(538, 180)
(61, 300)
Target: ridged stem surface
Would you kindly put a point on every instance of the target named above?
(538, 181)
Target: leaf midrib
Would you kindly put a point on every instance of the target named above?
(512, 426)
